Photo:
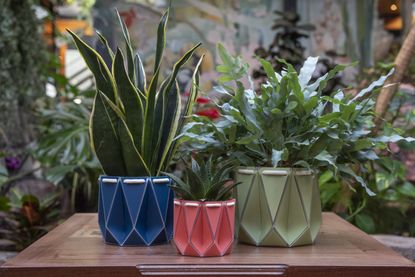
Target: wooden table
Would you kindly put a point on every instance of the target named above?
(75, 248)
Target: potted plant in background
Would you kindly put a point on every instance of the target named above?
(283, 135)
(204, 212)
(132, 130)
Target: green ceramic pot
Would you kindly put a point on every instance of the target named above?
(278, 206)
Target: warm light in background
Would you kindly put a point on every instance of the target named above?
(393, 7)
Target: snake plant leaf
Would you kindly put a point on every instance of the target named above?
(166, 109)
(170, 125)
(103, 78)
(172, 78)
(161, 40)
(133, 162)
(104, 41)
(140, 74)
(125, 135)
(134, 111)
(152, 92)
(185, 113)
(104, 137)
(128, 48)
(192, 95)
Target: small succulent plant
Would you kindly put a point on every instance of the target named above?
(205, 181)
(134, 122)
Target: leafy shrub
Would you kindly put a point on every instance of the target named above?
(290, 123)
(25, 218)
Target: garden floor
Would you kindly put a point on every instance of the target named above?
(4, 255)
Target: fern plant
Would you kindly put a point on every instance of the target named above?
(134, 122)
(205, 181)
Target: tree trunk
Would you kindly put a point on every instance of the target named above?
(401, 64)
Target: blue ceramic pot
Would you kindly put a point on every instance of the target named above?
(135, 211)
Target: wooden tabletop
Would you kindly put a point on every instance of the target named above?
(75, 248)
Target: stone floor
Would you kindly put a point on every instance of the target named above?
(403, 245)
(4, 255)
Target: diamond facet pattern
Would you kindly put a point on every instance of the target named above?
(204, 229)
(135, 211)
(278, 207)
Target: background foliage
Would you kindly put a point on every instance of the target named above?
(289, 123)
(21, 72)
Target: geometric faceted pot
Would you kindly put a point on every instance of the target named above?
(135, 211)
(204, 229)
(278, 206)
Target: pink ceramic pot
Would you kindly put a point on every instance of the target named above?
(204, 229)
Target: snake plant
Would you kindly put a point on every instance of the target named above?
(205, 181)
(134, 121)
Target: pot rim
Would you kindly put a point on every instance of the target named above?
(198, 203)
(277, 171)
(132, 179)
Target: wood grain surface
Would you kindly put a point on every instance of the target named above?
(75, 248)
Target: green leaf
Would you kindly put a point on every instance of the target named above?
(170, 125)
(224, 55)
(140, 77)
(167, 112)
(278, 155)
(382, 181)
(366, 223)
(303, 164)
(325, 156)
(161, 41)
(185, 113)
(129, 49)
(222, 195)
(306, 72)
(104, 137)
(133, 161)
(134, 111)
(103, 78)
(348, 171)
(247, 139)
(325, 177)
(4, 204)
(394, 138)
(321, 82)
(3, 170)
(407, 189)
(377, 83)
(269, 70)
(149, 123)
(363, 144)
(181, 185)
(58, 173)
(107, 46)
